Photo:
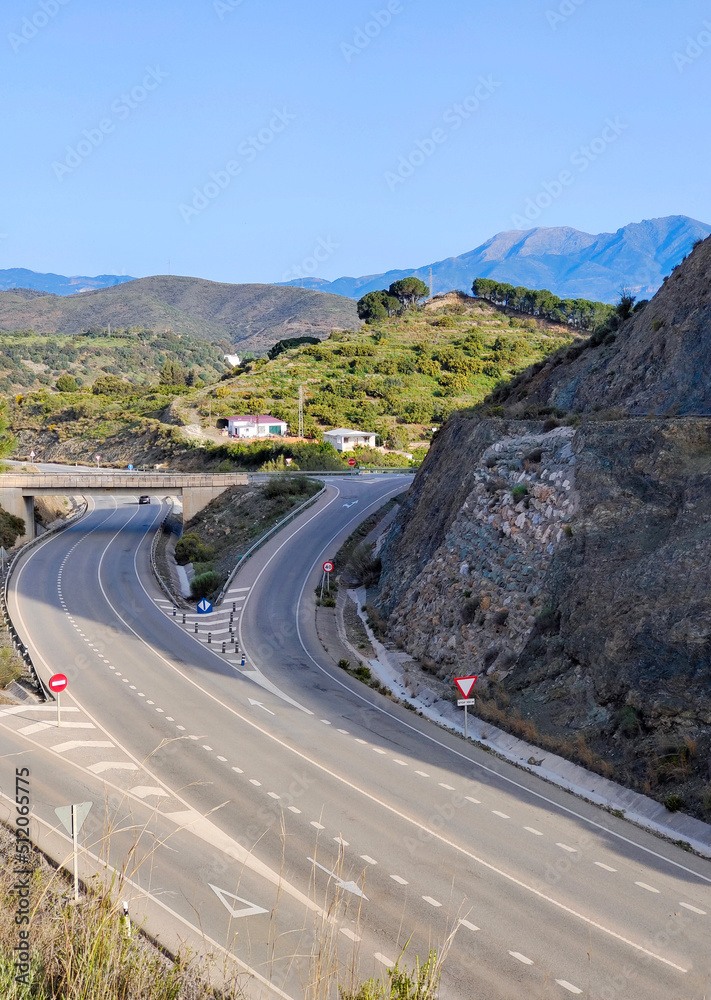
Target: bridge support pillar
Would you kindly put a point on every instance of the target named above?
(195, 498)
(15, 503)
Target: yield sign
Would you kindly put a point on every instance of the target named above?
(248, 910)
(465, 684)
(65, 815)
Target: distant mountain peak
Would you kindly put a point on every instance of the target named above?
(56, 284)
(569, 262)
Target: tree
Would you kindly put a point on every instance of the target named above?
(285, 345)
(377, 305)
(173, 373)
(67, 383)
(409, 291)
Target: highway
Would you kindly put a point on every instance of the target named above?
(344, 826)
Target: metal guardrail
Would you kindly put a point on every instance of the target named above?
(322, 474)
(154, 547)
(265, 537)
(17, 642)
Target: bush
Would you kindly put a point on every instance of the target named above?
(674, 802)
(519, 491)
(191, 549)
(67, 383)
(205, 584)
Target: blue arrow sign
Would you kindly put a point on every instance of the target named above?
(130, 468)
(204, 607)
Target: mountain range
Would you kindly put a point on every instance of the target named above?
(249, 317)
(56, 284)
(570, 263)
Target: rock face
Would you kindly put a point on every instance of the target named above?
(569, 563)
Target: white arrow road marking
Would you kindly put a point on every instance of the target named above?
(260, 705)
(352, 504)
(75, 744)
(348, 886)
(248, 910)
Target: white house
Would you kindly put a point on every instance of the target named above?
(260, 426)
(232, 359)
(344, 439)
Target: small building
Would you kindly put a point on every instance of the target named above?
(232, 360)
(344, 439)
(264, 425)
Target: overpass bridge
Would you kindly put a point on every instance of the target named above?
(17, 492)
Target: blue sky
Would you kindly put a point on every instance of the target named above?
(247, 141)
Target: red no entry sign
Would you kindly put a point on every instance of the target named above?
(57, 683)
(351, 461)
(328, 567)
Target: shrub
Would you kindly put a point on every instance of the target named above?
(67, 383)
(674, 802)
(205, 584)
(519, 491)
(190, 549)
(344, 664)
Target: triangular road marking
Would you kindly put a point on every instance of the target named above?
(249, 910)
(465, 684)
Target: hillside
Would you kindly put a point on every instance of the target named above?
(397, 378)
(249, 317)
(571, 263)
(566, 559)
(56, 284)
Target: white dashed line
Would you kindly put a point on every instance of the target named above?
(384, 959)
(422, 774)
(450, 788)
(649, 888)
(402, 763)
(500, 814)
(470, 926)
(565, 847)
(223, 759)
(294, 810)
(604, 867)
(533, 830)
(238, 770)
(325, 722)
(206, 747)
(273, 795)
(253, 781)
(469, 798)
(400, 881)
(347, 932)
(341, 841)
(694, 909)
(364, 742)
(568, 986)
(368, 860)
(317, 826)
(344, 731)
(521, 958)
(181, 728)
(378, 750)
(431, 901)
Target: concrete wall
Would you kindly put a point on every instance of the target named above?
(15, 503)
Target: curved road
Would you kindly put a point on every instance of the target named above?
(282, 808)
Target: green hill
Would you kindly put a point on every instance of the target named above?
(249, 317)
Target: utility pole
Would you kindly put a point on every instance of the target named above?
(301, 411)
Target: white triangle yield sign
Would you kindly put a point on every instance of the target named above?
(248, 910)
(64, 814)
(465, 684)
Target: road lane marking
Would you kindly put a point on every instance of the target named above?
(344, 731)
(294, 810)
(400, 881)
(253, 781)
(470, 926)
(142, 791)
(112, 765)
(431, 901)
(39, 727)
(694, 909)
(317, 826)
(442, 784)
(500, 814)
(533, 830)
(325, 722)
(206, 747)
(368, 860)
(238, 770)
(604, 866)
(347, 932)
(402, 763)
(521, 958)
(469, 798)
(19, 709)
(379, 750)
(273, 795)
(86, 744)
(565, 847)
(568, 986)
(341, 841)
(384, 960)
(364, 742)
(422, 774)
(222, 759)
(649, 888)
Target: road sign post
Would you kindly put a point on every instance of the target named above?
(72, 818)
(327, 570)
(57, 684)
(466, 686)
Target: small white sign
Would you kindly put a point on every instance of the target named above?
(65, 815)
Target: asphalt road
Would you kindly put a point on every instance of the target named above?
(342, 824)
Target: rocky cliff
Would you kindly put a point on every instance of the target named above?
(567, 561)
